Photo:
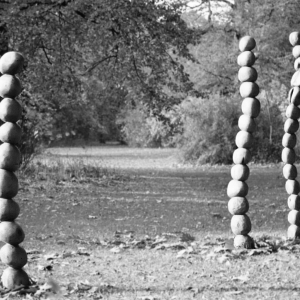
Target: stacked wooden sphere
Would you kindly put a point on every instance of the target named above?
(237, 188)
(11, 232)
(289, 141)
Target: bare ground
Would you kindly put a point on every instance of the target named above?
(128, 234)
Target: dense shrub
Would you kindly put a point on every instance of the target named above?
(141, 128)
(209, 127)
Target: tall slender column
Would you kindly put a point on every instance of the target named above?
(289, 141)
(237, 188)
(11, 254)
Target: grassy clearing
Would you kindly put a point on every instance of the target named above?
(92, 216)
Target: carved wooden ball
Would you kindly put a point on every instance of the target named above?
(10, 86)
(296, 51)
(10, 110)
(240, 224)
(294, 38)
(251, 107)
(244, 139)
(246, 59)
(292, 112)
(9, 209)
(11, 63)
(249, 89)
(11, 233)
(289, 140)
(12, 278)
(240, 172)
(294, 95)
(292, 186)
(13, 256)
(238, 205)
(237, 188)
(247, 74)
(289, 171)
(293, 232)
(241, 156)
(288, 156)
(297, 64)
(10, 157)
(247, 43)
(294, 202)
(294, 217)
(10, 133)
(246, 123)
(243, 241)
(291, 125)
(9, 184)
(295, 81)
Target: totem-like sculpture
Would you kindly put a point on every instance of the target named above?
(237, 188)
(289, 141)
(11, 233)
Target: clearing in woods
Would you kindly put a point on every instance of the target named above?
(120, 223)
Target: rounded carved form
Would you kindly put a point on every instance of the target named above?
(291, 126)
(244, 139)
(294, 217)
(294, 202)
(238, 205)
(12, 278)
(289, 140)
(249, 89)
(293, 232)
(294, 96)
(247, 74)
(10, 133)
(247, 43)
(246, 123)
(240, 172)
(10, 157)
(237, 188)
(11, 63)
(9, 209)
(13, 256)
(294, 38)
(240, 224)
(246, 59)
(243, 241)
(288, 156)
(9, 184)
(11, 233)
(10, 110)
(241, 156)
(10, 86)
(289, 171)
(251, 107)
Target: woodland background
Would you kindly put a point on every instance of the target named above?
(149, 73)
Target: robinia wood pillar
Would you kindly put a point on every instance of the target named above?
(11, 254)
(289, 141)
(237, 188)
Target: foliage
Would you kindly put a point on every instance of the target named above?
(209, 128)
(84, 56)
(142, 128)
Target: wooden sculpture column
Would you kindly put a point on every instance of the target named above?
(237, 188)
(289, 141)
(11, 254)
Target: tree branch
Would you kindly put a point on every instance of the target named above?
(95, 65)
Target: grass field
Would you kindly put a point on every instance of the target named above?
(121, 223)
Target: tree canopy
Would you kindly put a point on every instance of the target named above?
(88, 62)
